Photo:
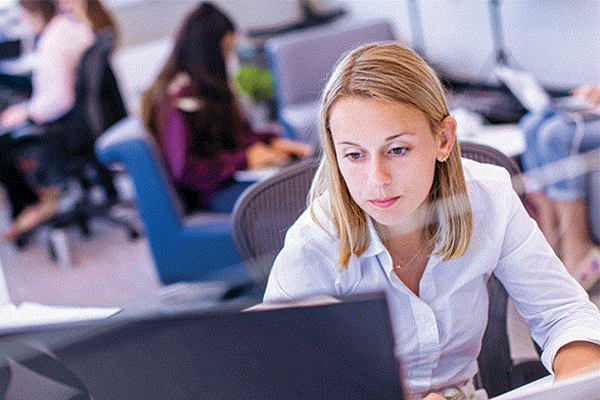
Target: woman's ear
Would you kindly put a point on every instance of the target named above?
(446, 138)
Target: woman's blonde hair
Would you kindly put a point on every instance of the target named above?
(391, 72)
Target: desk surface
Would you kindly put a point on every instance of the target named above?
(582, 387)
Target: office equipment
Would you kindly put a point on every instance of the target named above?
(345, 352)
(535, 98)
(184, 247)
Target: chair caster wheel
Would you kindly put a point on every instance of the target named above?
(133, 235)
(52, 251)
(21, 242)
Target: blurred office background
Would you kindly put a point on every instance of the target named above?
(559, 42)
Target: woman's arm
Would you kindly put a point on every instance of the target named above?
(554, 306)
(576, 358)
(590, 92)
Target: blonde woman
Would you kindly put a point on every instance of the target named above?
(394, 208)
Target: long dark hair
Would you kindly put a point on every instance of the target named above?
(101, 19)
(198, 53)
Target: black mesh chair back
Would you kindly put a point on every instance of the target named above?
(265, 211)
(98, 100)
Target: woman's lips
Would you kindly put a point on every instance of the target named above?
(384, 203)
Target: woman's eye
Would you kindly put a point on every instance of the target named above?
(353, 156)
(398, 150)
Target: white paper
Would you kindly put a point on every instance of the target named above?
(33, 314)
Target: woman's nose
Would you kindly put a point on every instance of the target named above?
(379, 174)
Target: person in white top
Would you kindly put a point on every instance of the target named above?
(61, 42)
(393, 208)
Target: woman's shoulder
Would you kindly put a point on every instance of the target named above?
(315, 223)
(484, 174)
(307, 263)
(66, 31)
(489, 187)
(66, 23)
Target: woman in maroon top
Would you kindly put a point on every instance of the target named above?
(194, 115)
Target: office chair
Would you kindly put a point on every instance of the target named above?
(185, 247)
(98, 105)
(265, 211)
(297, 88)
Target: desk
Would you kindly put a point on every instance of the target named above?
(585, 386)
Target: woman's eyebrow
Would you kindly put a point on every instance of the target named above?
(388, 139)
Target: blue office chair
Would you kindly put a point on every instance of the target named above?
(185, 248)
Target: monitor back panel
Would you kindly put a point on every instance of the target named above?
(334, 351)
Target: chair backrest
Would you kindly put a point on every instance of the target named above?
(127, 142)
(185, 248)
(98, 100)
(489, 155)
(265, 211)
(302, 61)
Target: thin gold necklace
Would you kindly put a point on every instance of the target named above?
(400, 266)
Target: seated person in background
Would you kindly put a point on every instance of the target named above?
(192, 111)
(561, 200)
(61, 42)
(20, 194)
(393, 208)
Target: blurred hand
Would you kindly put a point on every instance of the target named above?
(434, 396)
(590, 92)
(260, 156)
(13, 116)
(291, 149)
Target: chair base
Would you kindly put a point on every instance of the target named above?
(80, 215)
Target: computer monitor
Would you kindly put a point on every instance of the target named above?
(332, 351)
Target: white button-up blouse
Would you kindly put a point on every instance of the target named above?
(438, 333)
(59, 50)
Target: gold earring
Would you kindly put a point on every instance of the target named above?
(443, 159)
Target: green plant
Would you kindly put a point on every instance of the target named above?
(255, 82)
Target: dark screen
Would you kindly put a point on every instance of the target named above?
(335, 351)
